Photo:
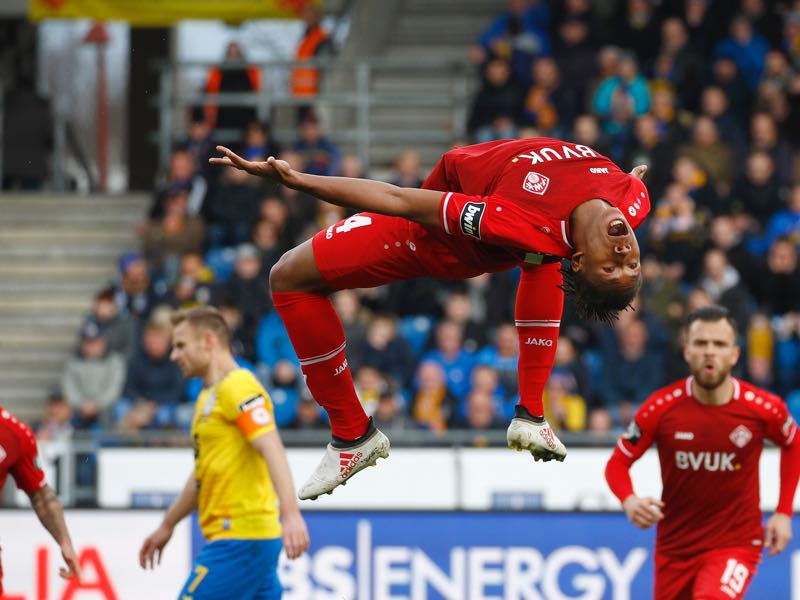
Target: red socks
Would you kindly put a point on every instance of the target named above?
(540, 303)
(318, 339)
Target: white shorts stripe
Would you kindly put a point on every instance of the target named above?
(322, 357)
(624, 450)
(444, 212)
(791, 435)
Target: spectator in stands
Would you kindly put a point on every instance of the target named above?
(283, 386)
(481, 412)
(234, 75)
(679, 63)
(155, 384)
(727, 76)
(791, 37)
(449, 352)
(258, 142)
(673, 122)
(728, 234)
(587, 132)
(629, 371)
(56, 423)
(550, 106)
(784, 223)
(266, 239)
(714, 156)
(746, 47)
(370, 385)
(563, 403)
(308, 416)
(248, 286)
(384, 350)
(695, 181)
(714, 104)
(242, 338)
(569, 360)
(175, 233)
(519, 35)
(319, 155)
(764, 136)
(433, 406)
(199, 143)
(757, 194)
(485, 378)
(777, 287)
(760, 351)
(183, 174)
(458, 307)
(134, 292)
(648, 148)
(662, 295)
(706, 22)
(407, 170)
(120, 331)
(677, 229)
(637, 28)
(497, 108)
(389, 413)
(232, 208)
(93, 379)
(600, 422)
(576, 48)
(502, 356)
(354, 317)
(723, 284)
(315, 44)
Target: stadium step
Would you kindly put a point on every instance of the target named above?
(56, 251)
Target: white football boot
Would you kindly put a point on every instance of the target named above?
(340, 464)
(537, 438)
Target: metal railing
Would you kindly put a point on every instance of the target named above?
(347, 84)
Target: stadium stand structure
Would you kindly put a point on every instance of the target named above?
(55, 253)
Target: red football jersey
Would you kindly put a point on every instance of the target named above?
(709, 459)
(518, 195)
(18, 454)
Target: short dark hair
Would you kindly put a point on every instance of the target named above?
(204, 318)
(710, 314)
(597, 300)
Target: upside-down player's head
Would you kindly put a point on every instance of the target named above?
(598, 299)
(710, 347)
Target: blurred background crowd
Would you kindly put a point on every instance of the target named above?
(704, 92)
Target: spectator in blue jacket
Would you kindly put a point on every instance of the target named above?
(746, 48)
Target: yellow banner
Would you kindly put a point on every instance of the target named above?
(166, 12)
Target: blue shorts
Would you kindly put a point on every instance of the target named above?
(241, 569)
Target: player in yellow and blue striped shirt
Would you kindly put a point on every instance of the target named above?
(241, 485)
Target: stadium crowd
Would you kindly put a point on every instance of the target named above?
(707, 96)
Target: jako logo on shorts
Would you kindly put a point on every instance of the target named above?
(471, 216)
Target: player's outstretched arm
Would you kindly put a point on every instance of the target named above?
(295, 533)
(421, 206)
(153, 546)
(47, 507)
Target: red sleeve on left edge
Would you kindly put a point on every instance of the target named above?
(26, 472)
(790, 473)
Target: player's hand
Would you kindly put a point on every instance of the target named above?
(295, 534)
(73, 568)
(639, 171)
(272, 168)
(643, 512)
(153, 547)
(777, 533)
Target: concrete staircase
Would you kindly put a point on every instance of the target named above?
(418, 33)
(55, 253)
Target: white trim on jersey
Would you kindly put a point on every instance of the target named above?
(541, 323)
(322, 357)
(444, 212)
(791, 435)
(736, 388)
(564, 233)
(624, 450)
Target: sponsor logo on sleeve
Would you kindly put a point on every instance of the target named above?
(471, 216)
(633, 434)
(535, 183)
(251, 402)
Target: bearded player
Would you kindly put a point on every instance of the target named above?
(499, 205)
(709, 430)
(18, 456)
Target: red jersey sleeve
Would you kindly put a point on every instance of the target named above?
(630, 448)
(26, 471)
(782, 429)
(501, 222)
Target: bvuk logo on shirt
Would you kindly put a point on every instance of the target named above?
(535, 183)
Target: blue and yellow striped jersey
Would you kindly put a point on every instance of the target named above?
(235, 497)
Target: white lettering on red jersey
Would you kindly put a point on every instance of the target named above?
(709, 458)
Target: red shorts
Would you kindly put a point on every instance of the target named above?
(722, 574)
(368, 250)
